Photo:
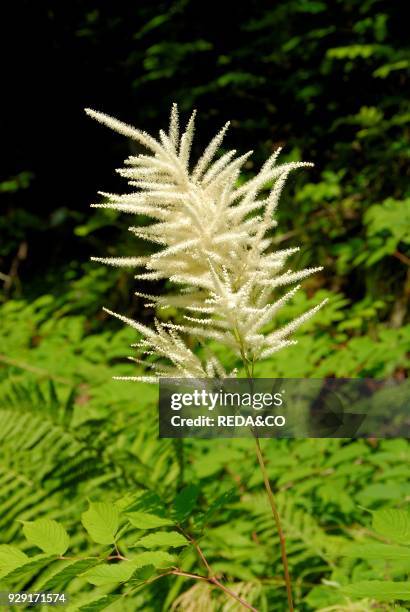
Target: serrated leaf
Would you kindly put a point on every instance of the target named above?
(114, 573)
(379, 590)
(10, 558)
(101, 521)
(157, 558)
(143, 573)
(374, 550)
(393, 524)
(48, 535)
(185, 502)
(143, 520)
(65, 572)
(170, 539)
(32, 565)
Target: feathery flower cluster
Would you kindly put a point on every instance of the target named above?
(215, 246)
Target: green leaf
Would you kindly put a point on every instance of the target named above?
(32, 565)
(10, 558)
(374, 550)
(393, 524)
(143, 573)
(48, 535)
(148, 502)
(101, 520)
(185, 502)
(140, 567)
(66, 571)
(170, 539)
(114, 573)
(379, 590)
(157, 558)
(144, 520)
(219, 503)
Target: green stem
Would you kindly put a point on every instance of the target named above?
(271, 498)
(276, 516)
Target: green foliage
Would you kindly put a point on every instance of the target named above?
(381, 590)
(144, 520)
(103, 575)
(15, 183)
(167, 538)
(321, 488)
(101, 521)
(393, 524)
(48, 535)
(10, 558)
(185, 502)
(78, 451)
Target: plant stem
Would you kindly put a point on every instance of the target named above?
(282, 541)
(211, 578)
(202, 556)
(278, 525)
(215, 581)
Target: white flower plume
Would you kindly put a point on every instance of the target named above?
(215, 244)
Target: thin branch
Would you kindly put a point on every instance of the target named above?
(178, 572)
(215, 581)
(401, 257)
(118, 555)
(202, 556)
(249, 373)
(197, 548)
(211, 578)
(278, 525)
(13, 273)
